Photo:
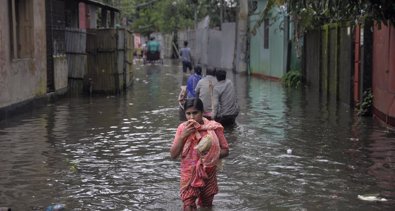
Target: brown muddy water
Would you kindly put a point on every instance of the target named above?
(112, 152)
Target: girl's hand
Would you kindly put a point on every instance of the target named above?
(188, 130)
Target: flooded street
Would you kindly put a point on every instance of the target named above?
(112, 152)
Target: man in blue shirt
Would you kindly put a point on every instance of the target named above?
(186, 57)
(192, 82)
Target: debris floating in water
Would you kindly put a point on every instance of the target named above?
(371, 198)
(56, 207)
(289, 151)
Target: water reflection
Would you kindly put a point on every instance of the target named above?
(112, 152)
(382, 160)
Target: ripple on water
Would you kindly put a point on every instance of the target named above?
(112, 153)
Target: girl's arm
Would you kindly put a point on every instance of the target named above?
(223, 143)
(180, 139)
(177, 146)
(223, 153)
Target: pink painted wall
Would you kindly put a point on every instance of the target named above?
(137, 40)
(83, 23)
(383, 85)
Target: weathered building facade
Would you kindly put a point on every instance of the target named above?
(43, 51)
(84, 21)
(23, 58)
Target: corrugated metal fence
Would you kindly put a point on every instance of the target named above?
(211, 47)
(328, 61)
(110, 58)
(76, 58)
(99, 60)
(55, 35)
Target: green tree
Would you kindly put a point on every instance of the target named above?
(165, 16)
(127, 8)
(310, 14)
(171, 15)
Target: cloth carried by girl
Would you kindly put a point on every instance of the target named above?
(209, 160)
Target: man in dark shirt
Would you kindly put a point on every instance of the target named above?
(225, 106)
(186, 57)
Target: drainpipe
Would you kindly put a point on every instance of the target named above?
(387, 72)
(286, 46)
(357, 45)
(90, 87)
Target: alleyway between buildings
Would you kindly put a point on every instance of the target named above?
(287, 151)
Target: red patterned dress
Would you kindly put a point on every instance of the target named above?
(199, 173)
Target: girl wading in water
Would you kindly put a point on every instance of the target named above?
(201, 144)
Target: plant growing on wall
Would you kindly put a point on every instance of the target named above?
(364, 108)
(292, 78)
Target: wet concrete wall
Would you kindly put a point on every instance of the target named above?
(22, 79)
(214, 51)
(228, 37)
(202, 34)
(211, 47)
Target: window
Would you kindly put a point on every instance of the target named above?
(252, 6)
(266, 34)
(21, 23)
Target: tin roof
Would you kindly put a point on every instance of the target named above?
(100, 4)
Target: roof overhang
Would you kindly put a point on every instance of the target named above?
(100, 4)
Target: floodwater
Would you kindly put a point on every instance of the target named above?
(112, 152)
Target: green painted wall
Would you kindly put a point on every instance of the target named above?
(259, 57)
(276, 47)
(268, 62)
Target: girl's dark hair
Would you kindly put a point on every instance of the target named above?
(193, 103)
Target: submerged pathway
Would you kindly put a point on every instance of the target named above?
(287, 152)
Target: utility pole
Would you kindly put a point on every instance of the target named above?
(240, 63)
(195, 14)
(221, 13)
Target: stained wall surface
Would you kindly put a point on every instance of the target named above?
(23, 78)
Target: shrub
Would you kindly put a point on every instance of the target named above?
(364, 108)
(292, 78)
